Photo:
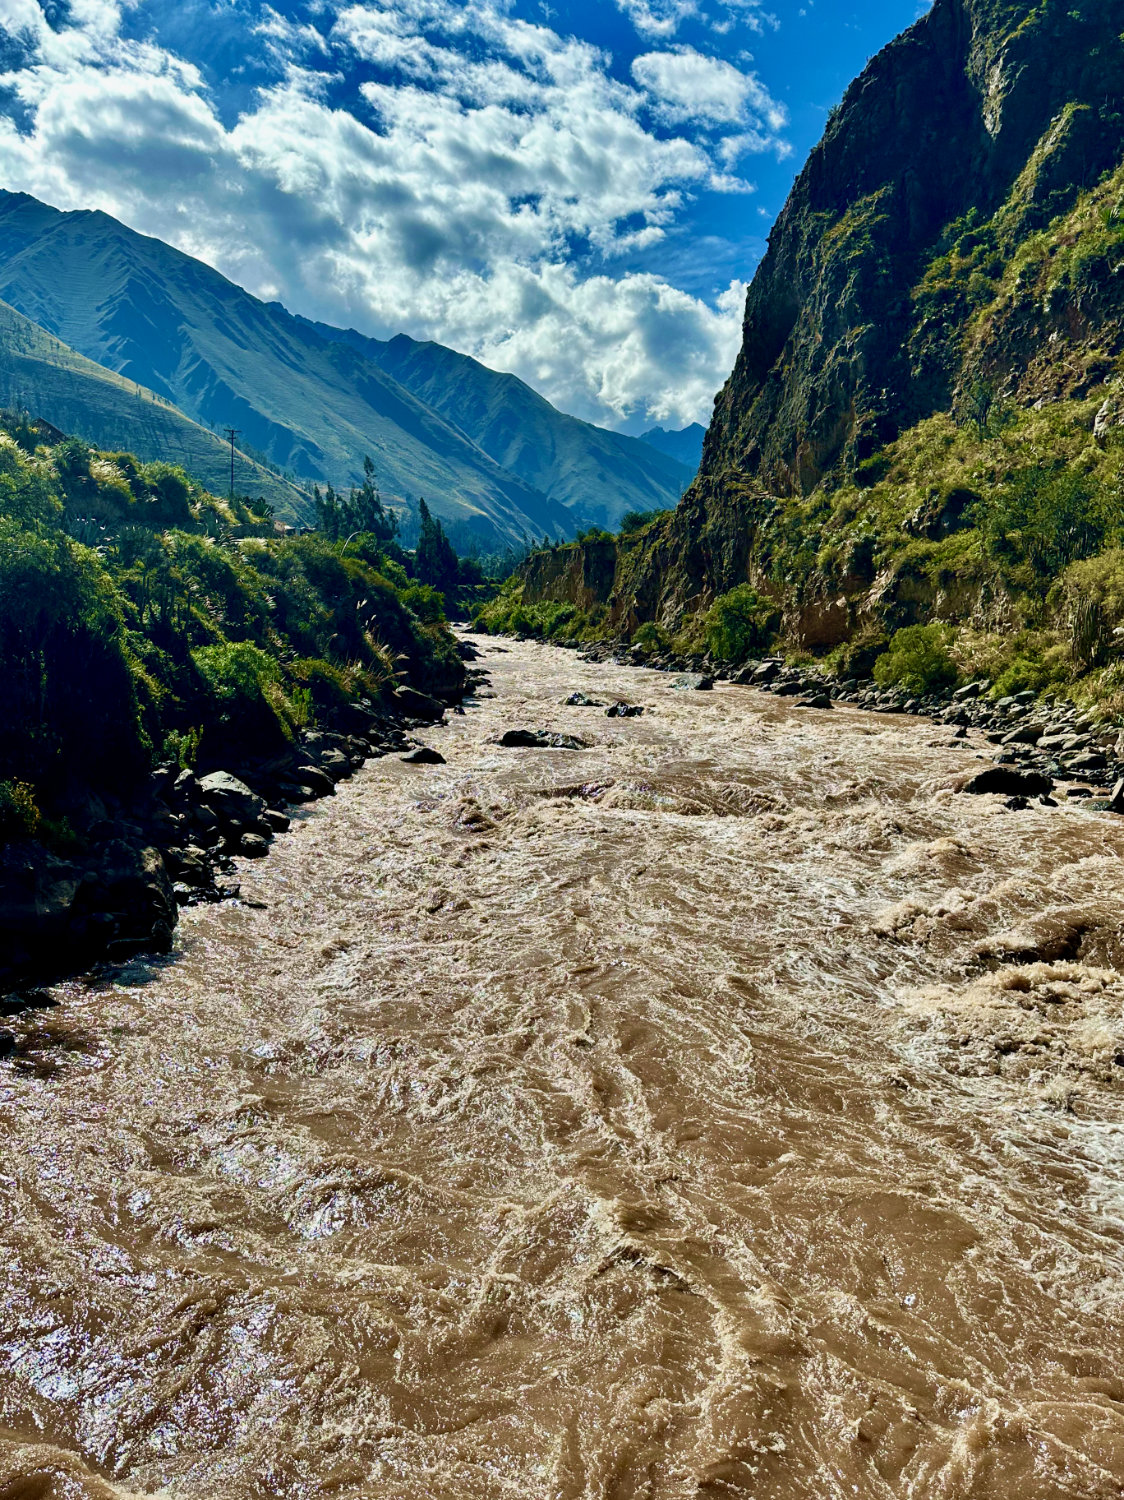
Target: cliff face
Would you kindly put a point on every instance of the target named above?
(953, 247)
(980, 107)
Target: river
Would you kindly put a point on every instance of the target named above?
(727, 1109)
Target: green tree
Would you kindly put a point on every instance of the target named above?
(435, 562)
(918, 660)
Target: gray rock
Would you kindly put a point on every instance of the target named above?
(1009, 781)
(279, 822)
(1091, 760)
(315, 780)
(581, 700)
(693, 682)
(417, 705)
(423, 756)
(540, 739)
(818, 700)
(253, 846)
(623, 711)
(229, 799)
(336, 764)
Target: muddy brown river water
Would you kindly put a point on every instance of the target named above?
(727, 1109)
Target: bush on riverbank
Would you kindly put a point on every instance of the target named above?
(739, 623)
(918, 660)
(141, 618)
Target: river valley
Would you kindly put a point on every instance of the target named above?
(729, 1108)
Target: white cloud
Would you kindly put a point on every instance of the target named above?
(663, 18)
(476, 188)
(688, 87)
(658, 17)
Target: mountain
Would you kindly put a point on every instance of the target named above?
(684, 445)
(495, 460)
(597, 475)
(961, 141)
(313, 407)
(925, 422)
(41, 375)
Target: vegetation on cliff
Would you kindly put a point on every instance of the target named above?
(925, 425)
(144, 620)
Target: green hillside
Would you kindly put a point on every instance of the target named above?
(42, 376)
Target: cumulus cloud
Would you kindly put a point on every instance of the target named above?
(689, 87)
(435, 167)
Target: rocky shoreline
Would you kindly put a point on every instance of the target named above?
(117, 889)
(1040, 744)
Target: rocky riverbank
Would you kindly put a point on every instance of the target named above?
(115, 886)
(1041, 744)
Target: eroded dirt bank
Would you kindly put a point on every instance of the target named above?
(725, 1109)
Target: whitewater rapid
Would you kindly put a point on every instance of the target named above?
(730, 1108)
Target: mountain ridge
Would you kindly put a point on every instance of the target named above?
(174, 324)
(925, 424)
(313, 405)
(560, 455)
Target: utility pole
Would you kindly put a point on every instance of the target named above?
(232, 433)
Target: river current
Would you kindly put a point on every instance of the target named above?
(730, 1108)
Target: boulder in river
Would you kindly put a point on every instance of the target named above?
(1009, 781)
(693, 682)
(623, 710)
(582, 700)
(417, 705)
(424, 755)
(540, 739)
(817, 700)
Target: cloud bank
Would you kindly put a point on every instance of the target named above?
(444, 168)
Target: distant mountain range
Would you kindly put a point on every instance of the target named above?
(41, 374)
(588, 469)
(685, 445)
(494, 459)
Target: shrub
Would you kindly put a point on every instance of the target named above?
(739, 622)
(636, 520)
(856, 657)
(19, 813)
(70, 705)
(1090, 634)
(235, 670)
(918, 660)
(650, 637)
(425, 602)
(182, 747)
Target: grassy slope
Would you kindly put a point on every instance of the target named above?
(40, 374)
(313, 408)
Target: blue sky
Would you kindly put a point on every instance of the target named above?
(576, 192)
